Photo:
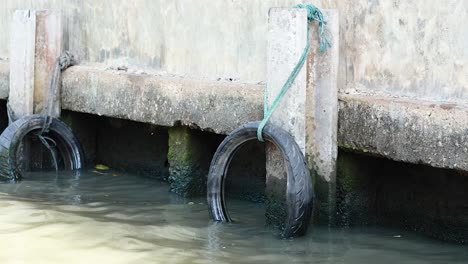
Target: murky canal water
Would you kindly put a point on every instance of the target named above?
(118, 218)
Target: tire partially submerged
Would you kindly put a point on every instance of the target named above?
(299, 192)
(68, 148)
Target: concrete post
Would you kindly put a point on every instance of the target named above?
(36, 43)
(322, 117)
(309, 109)
(287, 35)
(48, 48)
(187, 157)
(22, 50)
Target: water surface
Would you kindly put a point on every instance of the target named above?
(120, 218)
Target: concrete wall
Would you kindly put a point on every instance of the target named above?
(407, 48)
(380, 191)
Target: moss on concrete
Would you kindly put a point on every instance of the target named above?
(354, 196)
(189, 157)
(185, 148)
(325, 201)
(419, 198)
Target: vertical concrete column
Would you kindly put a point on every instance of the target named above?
(287, 35)
(322, 116)
(188, 165)
(22, 50)
(49, 35)
(309, 109)
(36, 43)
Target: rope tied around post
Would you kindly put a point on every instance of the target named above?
(313, 14)
(64, 61)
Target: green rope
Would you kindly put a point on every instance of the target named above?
(313, 14)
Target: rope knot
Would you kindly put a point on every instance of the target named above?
(66, 60)
(314, 14)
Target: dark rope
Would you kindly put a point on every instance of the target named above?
(62, 63)
(45, 141)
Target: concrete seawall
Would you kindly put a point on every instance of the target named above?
(408, 130)
(158, 85)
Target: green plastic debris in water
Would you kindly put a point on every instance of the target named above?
(101, 167)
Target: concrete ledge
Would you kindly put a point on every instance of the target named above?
(405, 130)
(216, 106)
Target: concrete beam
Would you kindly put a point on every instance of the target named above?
(405, 130)
(216, 106)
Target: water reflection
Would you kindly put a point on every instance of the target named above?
(93, 218)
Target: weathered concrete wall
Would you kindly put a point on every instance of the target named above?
(189, 157)
(406, 130)
(407, 48)
(415, 197)
(217, 106)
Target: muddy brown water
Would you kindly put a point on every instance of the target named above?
(120, 218)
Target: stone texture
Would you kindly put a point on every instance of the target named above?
(405, 130)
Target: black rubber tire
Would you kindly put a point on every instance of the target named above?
(69, 148)
(299, 196)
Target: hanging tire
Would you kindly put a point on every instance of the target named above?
(299, 193)
(68, 148)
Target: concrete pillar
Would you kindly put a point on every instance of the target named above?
(22, 50)
(322, 117)
(36, 43)
(48, 48)
(188, 162)
(309, 109)
(287, 35)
